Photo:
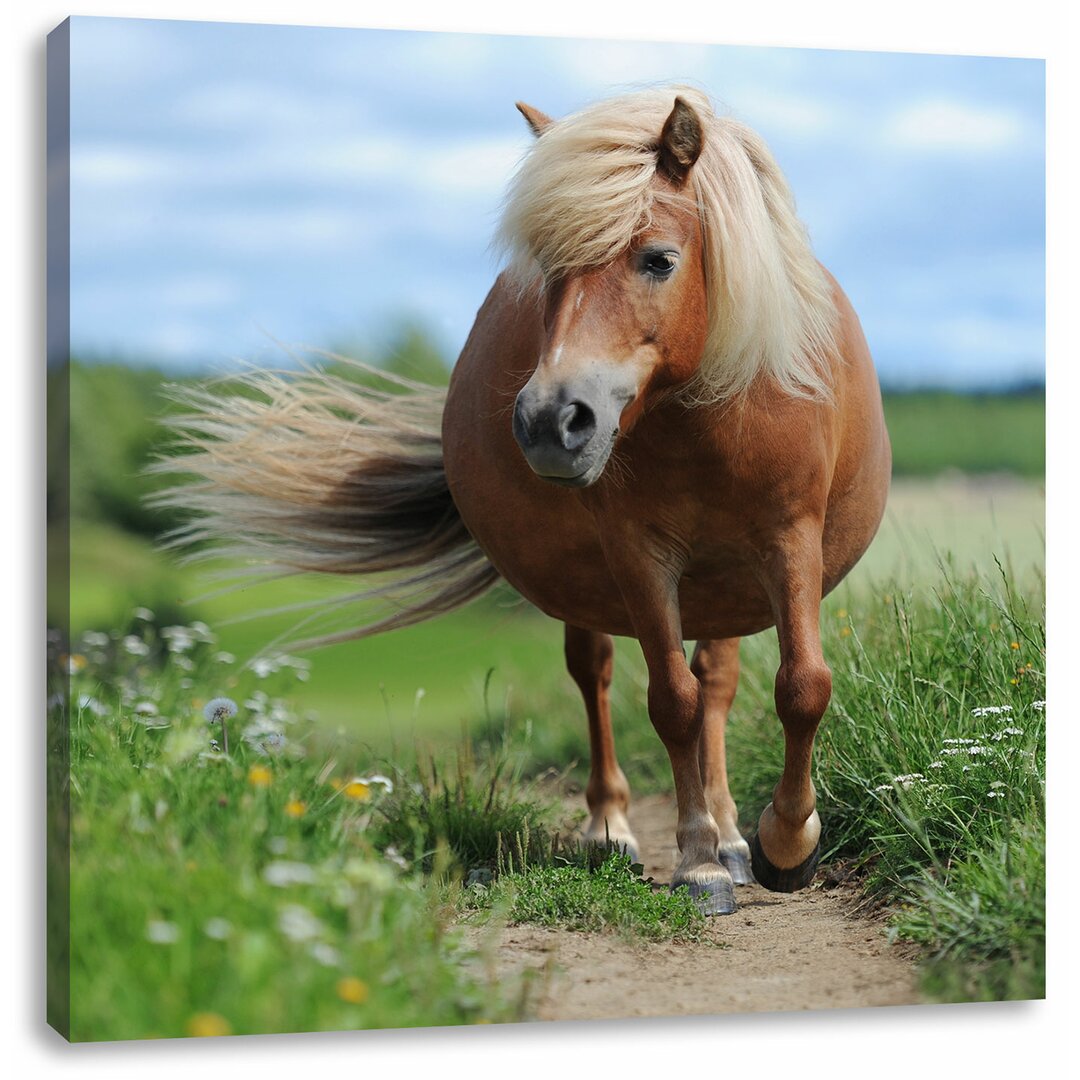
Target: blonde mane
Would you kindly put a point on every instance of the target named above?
(588, 187)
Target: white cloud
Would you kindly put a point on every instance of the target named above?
(781, 114)
(953, 126)
(251, 105)
(603, 67)
(117, 165)
(198, 291)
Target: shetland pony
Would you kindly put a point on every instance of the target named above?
(665, 424)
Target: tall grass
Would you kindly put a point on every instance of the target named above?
(929, 765)
(238, 892)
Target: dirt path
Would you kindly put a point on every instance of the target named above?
(807, 950)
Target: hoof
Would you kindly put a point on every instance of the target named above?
(772, 877)
(712, 897)
(738, 866)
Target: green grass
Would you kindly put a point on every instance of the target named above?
(611, 898)
(930, 768)
(238, 893)
(932, 431)
(939, 804)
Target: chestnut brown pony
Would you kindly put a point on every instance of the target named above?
(665, 424)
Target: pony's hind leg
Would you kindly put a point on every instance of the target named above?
(716, 665)
(590, 659)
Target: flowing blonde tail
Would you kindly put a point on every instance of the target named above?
(313, 471)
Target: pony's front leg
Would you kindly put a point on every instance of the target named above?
(590, 659)
(787, 846)
(677, 710)
(716, 665)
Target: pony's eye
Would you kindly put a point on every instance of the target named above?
(658, 264)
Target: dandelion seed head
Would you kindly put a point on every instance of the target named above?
(218, 709)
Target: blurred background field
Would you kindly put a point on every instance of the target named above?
(968, 488)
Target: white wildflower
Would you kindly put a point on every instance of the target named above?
(1005, 733)
(376, 778)
(298, 924)
(937, 764)
(995, 794)
(145, 708)
(991, 710)
(224, 658)
(95, 639)
(92, 705)
(394, 856)
(161, 932)
(217, 928)
(1038, 706)
(957, 742)
(135, 645)
(325, 954)
(178, 639)
(977, 749)
(282, 874)
(143, 614)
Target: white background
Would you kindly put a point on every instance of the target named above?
(1006, 1040)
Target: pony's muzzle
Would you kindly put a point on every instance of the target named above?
(559, 437)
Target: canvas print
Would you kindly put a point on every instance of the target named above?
(540, 529)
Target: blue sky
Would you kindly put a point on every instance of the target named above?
(238, 186)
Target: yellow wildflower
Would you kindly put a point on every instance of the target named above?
(846, 632)
(842, 613)
(352, 990)
(203, 1025)
(358, 790)
(295, 808)
(1015, 645)
(259, 776)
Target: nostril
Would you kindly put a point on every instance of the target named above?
(520, 426)
(577, 425)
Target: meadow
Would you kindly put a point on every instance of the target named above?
(316, 875)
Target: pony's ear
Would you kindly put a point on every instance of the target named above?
(538, 121)
(680, 143)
